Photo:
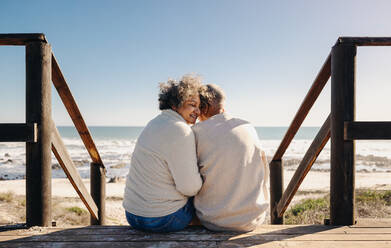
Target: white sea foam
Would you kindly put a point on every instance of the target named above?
(116, 155)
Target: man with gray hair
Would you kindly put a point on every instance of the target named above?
(234, 195)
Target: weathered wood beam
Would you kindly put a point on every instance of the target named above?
(20, 39)
(73, 110)
(98, 192)
(73, 175)
(276, 177)
(365, 130)
(304, 167)
(342, 152)
(38, 154)
(19, 132)
(309, 100)
(365, 41)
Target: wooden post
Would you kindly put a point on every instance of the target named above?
(342, 177)
(38, 155)
(98, 192)
(276, 190)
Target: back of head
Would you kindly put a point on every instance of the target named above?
(212, 98)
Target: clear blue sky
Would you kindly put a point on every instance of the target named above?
(264, 54)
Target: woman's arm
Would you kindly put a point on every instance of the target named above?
(182, 161)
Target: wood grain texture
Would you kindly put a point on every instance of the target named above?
(342, 152)
(20, 39)
(365, 41)
(309, 100)
(207, 244)
(19, 132)
(38, 154)
(264, 236)
(74, 112)
(98, 192)
(149, 237)
(276, 178)
(366, 130)
(198, 230)
(304, 167)
(73, 175)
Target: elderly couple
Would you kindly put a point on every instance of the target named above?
(214, 169)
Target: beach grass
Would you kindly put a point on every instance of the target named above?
(12, 208)
(77, 210)
(308, 211)
(69, 211)
(7, 196)
(369, 204)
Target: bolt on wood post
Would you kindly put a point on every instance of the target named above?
(98, 192)
(342, 177)
(276, 190)
(38, 155)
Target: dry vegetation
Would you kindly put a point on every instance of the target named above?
(12, 208)
(66, 211)
(369, 204)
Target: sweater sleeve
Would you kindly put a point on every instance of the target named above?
(182, 161)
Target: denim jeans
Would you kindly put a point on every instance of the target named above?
(169, 223)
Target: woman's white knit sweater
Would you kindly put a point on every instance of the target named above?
(163, 171)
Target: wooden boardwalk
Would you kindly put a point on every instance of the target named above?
(376, 234)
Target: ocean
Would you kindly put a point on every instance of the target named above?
(116, 144)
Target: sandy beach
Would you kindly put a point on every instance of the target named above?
(314, 181)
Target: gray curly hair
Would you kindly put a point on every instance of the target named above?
(173, 94)
(211, 94)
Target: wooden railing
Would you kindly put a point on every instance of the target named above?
(41, 135)
(340, 126)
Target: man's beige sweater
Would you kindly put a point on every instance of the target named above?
(234, 194)
(163, 171)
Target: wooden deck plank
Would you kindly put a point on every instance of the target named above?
(196, 237)
(170, 244)
(287, 244)
(149, 237)
(310, 244)
(275, 229)
(372, 235)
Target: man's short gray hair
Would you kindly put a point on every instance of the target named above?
(211, 94)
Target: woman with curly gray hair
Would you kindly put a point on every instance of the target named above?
(163, 175)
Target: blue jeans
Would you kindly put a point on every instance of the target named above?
(169, 223)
